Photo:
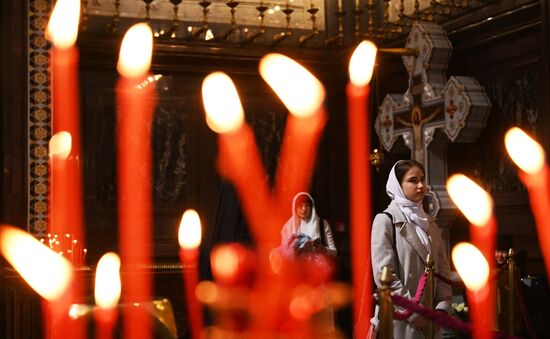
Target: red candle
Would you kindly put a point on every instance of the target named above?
(59, 150)
(189, 237)
(297, 156)
(485, 298)
(239, 160)
(303, 96)
(135, 100)
(107, 293)
(477, 205)
(474, 270)
(65, 180)
(360, 68)
(105, 322)
(49, 274)
(531, 159)
(62, 30)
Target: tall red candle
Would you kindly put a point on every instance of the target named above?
(473, 268)
(477, 205)
(485, 298)
(136, 102)
(361, 67)
(66, 188)
(239, 160)
(189, 237)
(48, 273)
(538, 187)
(297, 156)
(530, 157)
(303, 96)
(66, 216)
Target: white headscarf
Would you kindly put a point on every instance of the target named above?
(413, 211)
(308, 227)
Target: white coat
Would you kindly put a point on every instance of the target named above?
(412, 263)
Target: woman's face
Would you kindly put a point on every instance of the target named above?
(303, 210)
(414, 184)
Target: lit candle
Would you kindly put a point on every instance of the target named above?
(135, 108)
(62, 31)
(360, 70)
(303, 96)
(232, 264)
(65, 181)
(530, 157)
(477, 206)
(59, 150)
(189, 237)
(473, 268)
(46, 272)
(239, 160)
(107, 293)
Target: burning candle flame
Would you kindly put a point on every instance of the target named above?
(224, 112)
(471, 265)
(48, 273)
(474, 202)
(361, 63)
(225, 262)
(60, 145)
(301, 92)
(136, 51)
(189, 235)
(107, 281)
(62, 28)
(524, 151)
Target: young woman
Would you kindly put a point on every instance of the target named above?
(305, 231)
(405, 251)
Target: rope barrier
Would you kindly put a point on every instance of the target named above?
(441, 318)
(519, 294)
(419, 291)
(448, 281)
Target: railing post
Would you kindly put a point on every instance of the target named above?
(429, 293)
(386, 305)
(511, 291)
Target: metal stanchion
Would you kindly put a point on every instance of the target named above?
(429, 294)
(511, 291)
(386, 305)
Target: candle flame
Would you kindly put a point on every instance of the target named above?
(524, 151)
(225, 262)
(224, 112)
(361, 64)
(472, 200)
(62, 28)
(107, 281)
(48, 273)
(471, 265)
(60, 145)
(301, 92)
(136, 51)
(207, 292)
(189, 235)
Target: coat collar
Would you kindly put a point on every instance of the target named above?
(407, 231)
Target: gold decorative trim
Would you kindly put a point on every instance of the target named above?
(39, 116)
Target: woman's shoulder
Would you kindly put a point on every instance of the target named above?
(383, 219)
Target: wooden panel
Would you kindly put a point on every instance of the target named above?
(13, 103)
